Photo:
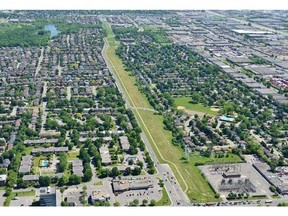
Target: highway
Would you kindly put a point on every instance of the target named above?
(175, 193)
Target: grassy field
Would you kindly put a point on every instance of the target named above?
(129, 81)
(197, 188)
(164, 201)
(184, 101)
(28, 150)
(110, 37)
(36, 163)
(23, 194)
(72, 155)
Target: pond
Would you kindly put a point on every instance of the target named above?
(53, 30)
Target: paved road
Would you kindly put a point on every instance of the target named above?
(246, 203)
(44, 116)
(39, 62)
(68, 41)
(2, 197)
(177, 196)
(68, 93)
(140, 29)
(93, 90)
(146, 109)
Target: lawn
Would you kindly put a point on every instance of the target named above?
(100, 183)
(72, 155)
(232, 158)
(28, 150)
(165, 200)
(23, 194)
(36, 163)
(184, 101)
(129, 81)
(198, 188)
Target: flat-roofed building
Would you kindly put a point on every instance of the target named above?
(124, 143)
(51, 150)
(41, 141)
(99, 195)
(105, 155)
(31, 178)
(77, 167)
(121, 185)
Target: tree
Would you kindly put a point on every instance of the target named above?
(87, 175)
(135, 202)
(136, 171)
(114, 172)
(12, 178)
(130, 162)
(62, 166)
(74, 179)
(64, 203)
(140, 164)
(144, 202)
(151, 170)
(127, 171)
(116, 203)
(62, 181)
(152, 202)
(104, 173)
(21, 183)
(272, 189)
(44, 181)
(8, 191)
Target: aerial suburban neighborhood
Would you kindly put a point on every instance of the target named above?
(143, 108)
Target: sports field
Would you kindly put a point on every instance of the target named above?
(185, 102)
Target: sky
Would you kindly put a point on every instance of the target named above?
(144, 4)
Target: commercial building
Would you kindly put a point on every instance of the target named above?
(121, 185)
(99, 195)
(278, 179)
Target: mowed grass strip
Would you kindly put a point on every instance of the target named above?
(165, 200)
(23, 193)
(129, 81)
(198, 188)
(73, 155)
(184, 101)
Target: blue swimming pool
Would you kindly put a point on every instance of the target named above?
(226, 118)
(45, 163)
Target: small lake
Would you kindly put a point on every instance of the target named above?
(53, 30)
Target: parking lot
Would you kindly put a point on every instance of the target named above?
(23, 201)
(128, 196)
